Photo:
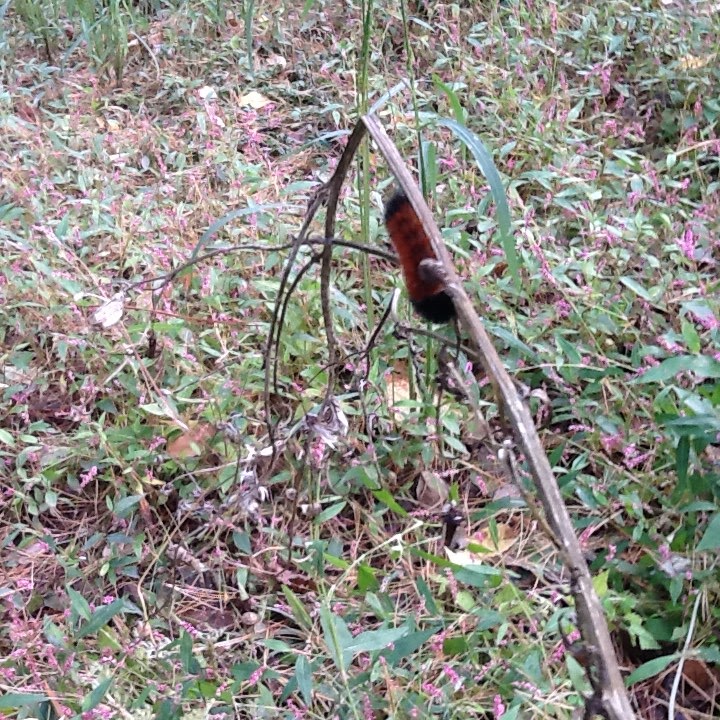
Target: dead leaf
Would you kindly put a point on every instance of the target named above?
(398, 390)
(431, 490)
(207, 93)
(702, 676)
(692, 62)
(255, 100)
(110, 313)
(507, 491)
(484, 546)
(191, 443)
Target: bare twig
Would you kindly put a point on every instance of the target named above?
(333, 187)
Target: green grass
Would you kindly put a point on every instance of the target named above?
(145, 568)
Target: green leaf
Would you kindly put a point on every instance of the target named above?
(435, 559)
(487, 166)
(698, 506)
(186, 652)
(453, 99)
(650, 669)
(167, 711)
(303, 675)
(429, 165)
(101, 617)
(93, 699)
(299, 612)
(708, 654)
(155, 409)
(124, 506)
(11, 701)
(455, 646)
(427, 596)
(54, 635)
(668, 369)
(276, 645)
(372, 640)
(407, 645)
(600, 583)
(337, 638)
(711, 539)
(330, 512)
(677, 585)
(569, 350)
(695, 425)
(481, 576)
(465, 600)
(242, 542)
(691, 337)
(682, 458)
(578, 675)
(366, 579)
(384, 496)
(78, 604)
(637, 288)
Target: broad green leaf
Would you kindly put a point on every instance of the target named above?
(709, 654)
(569, 350)
(10, 701)
(54, 634)
(457, 645)
(101, 617)
(682, 457)
(167, 711)
(407, 645)
(711, 539)
(299, 612)
(124, 506)
(668, 369)
(578, 675)
(303, 675)
(155, 409)
(78, 604)
(650, 669)
(366, 579)
(220, 223)
(480, 576)
(330, 512)
(691, 337)
(372, 640)
(694, 425)
(94, 698)
(384, 496)
(453, 99)
(637, 288)
(186, 652)
(337, 638)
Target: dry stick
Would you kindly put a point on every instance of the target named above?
(333, 188)
(260, 247)
(285, 302)
(270, 362)
(608, 685)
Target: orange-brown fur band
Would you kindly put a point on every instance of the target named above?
(412, 245)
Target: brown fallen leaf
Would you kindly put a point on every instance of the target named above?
(507, 535)
(431, 491)
(191, 443)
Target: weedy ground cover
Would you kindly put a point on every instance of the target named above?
(145, 571)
